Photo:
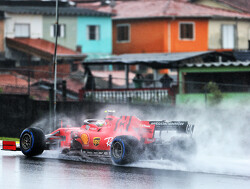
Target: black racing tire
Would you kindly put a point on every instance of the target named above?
(125, 150)
(32, 142)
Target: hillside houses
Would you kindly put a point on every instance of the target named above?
(95, 32)
(140, 26)
(175, 26)
(28, 36)
(28, 23)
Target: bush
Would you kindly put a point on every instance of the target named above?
(216, 94)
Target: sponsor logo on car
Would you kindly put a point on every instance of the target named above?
(143, 125)
(176, 123)
(85, 139)
(163, 123)
(93, 129)
(109, 141)
(96, 141)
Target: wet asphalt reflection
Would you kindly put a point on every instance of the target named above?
(18, 171)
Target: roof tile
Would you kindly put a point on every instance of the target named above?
(163, 8)
(43, 45)
(7, 79)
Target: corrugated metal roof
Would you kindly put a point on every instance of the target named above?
(149, 59)
(217, 64)
(160, 57)
(66, 11)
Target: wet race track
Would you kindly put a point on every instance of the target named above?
(52, 170)
(222, 160)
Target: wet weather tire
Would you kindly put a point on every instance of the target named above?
(125, 149)
(32, 142)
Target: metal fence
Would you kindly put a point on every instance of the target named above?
(135, 96)
(18, 81)
(106, 91)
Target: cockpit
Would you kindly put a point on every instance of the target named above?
(100, 123)
(96, 122)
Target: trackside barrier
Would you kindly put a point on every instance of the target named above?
(9, 145)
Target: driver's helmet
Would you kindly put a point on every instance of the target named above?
(100, 123)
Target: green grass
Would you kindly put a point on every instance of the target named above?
(9, 139)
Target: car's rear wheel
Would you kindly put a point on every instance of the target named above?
(32, 141)
(125, 149)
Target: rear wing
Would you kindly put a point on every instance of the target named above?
(179, 126)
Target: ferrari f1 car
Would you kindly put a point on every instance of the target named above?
(125, 139)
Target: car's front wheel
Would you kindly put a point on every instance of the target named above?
(32, 142)
(125, 149)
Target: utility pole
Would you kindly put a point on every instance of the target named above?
(55, 64)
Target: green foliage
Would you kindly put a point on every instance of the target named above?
(1, 90)
(216, 94)
(9, 139)
(31, 97)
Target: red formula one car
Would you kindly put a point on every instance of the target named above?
(125, 139)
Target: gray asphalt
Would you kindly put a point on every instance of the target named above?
(53, 171)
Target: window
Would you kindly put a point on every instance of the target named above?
(22, 30)
(60, 30)
(123, 33)
(228, 36)
(93, 32)
(186, 31)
